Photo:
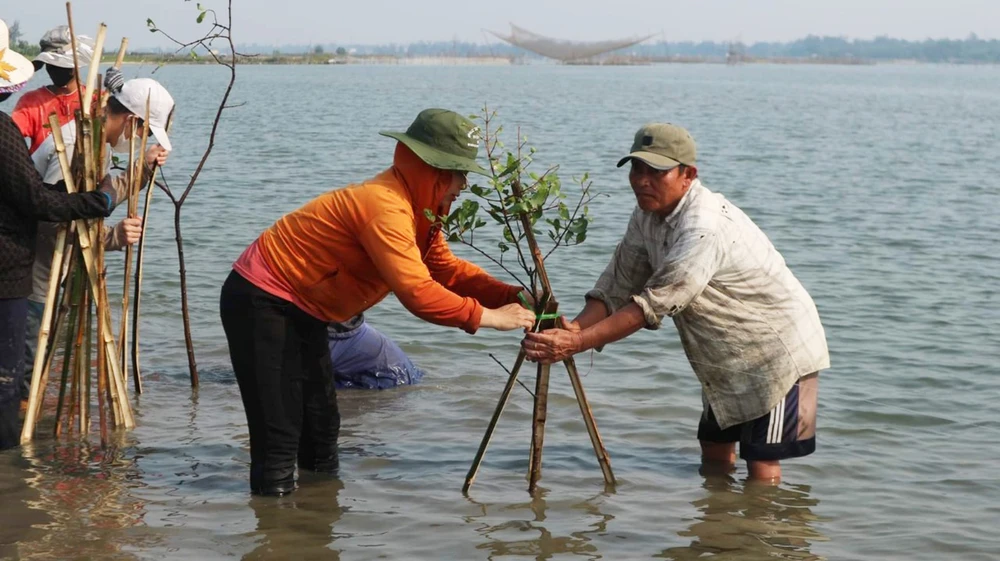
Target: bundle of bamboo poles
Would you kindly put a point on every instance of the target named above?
(77, 290)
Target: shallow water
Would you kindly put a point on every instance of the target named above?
(878, 185)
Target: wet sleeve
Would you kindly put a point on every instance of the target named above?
(465, 278)
(626, 273)
(390, 241)
(691, 262)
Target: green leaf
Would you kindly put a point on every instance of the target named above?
(201, 17)
(430, 215)
(540, 195)
(454, 238)
(504, 248)
(511, 165)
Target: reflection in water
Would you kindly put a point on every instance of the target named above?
(749, 523)
(67, 490)
(299, 526)
(543, 541)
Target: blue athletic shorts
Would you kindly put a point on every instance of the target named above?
(787, 431)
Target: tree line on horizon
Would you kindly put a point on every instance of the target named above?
(969, 50)
(972, 49)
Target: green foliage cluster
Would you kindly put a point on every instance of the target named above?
(495, 220)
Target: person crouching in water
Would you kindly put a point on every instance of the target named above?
(334, 258)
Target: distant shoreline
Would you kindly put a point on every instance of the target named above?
(443, 60)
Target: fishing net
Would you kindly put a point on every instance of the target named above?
(561, 49)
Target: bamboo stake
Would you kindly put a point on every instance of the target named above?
(540, 413)
(102, 374)
(116, 383)
(76, 56)
(76, 285)
(95, 65)
(37, 388)
(121, 53)
(134, 184)
(504, 397)
(588, 418)
(83, 382)
(129, 179)
(57, 322)
(137, 297)
(102, 354)
(118, 64)
(81, 332)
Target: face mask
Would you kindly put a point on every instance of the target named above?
(59, 76)
(121, 145)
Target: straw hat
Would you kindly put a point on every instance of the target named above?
(15, 70)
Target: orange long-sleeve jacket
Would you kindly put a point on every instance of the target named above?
(345, 250)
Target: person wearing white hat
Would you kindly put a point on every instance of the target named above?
(31, 114)
(15, 70)
(120, 113)
(24, 201)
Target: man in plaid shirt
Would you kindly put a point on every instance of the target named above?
(750, 330)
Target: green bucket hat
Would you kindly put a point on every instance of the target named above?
(444, 140)
(662, 146)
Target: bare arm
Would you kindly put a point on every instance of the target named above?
(593, 312)
(554, 345)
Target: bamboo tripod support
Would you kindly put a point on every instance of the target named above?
(540, 412)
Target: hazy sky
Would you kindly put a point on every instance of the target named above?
(386, 21)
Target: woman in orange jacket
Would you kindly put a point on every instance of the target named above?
(334, 258)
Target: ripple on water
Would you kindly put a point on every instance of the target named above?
(891, 235)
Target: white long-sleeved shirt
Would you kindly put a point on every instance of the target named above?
(748, 327)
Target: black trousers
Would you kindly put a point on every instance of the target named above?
(13, 314)
(282, 364)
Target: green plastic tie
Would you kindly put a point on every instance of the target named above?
(538, 317)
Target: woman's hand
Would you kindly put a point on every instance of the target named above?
(125, 233)
(156, 155)
(129, 230)
(507, 318)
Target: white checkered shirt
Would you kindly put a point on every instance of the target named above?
(748, 327)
